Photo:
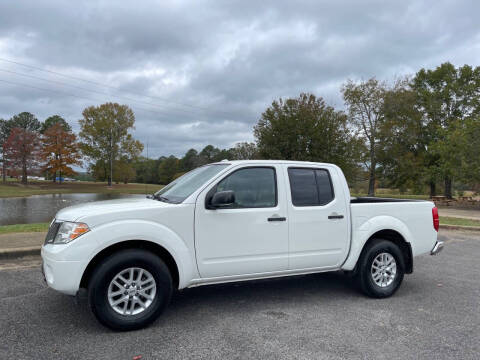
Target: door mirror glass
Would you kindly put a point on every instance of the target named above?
(223, 199)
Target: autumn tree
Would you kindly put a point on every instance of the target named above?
(22, 145)
(22, 150)
(306, 129)
(59, 151)
(5, 129)
(106, 137)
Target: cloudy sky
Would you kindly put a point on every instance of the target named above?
(201, 72)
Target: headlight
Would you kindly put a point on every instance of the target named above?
(69, 231)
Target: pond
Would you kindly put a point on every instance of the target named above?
(42, 208)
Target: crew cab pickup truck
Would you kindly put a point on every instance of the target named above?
(232, 221)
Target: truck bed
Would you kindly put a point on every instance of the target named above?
(413, 218)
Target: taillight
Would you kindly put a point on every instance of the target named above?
(436, 220)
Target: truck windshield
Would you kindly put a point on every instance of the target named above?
(181, 188)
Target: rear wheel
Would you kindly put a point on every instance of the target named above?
(130, 289)
(381, 268)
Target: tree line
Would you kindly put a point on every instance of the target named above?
(421, 133)
(51, 148)
(417, 133)
(29, 146)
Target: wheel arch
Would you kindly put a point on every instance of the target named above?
(396, 238)
(151, 246)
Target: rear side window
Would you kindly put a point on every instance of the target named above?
(310, 187)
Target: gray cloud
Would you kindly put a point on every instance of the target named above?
(197, 73)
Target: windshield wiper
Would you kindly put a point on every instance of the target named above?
(159, 198)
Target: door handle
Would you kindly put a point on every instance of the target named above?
(277, 218)
(335, 216)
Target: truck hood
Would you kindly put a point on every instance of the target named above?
(98, 212)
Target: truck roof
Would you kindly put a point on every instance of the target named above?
(235, 162)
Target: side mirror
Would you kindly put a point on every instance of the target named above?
(223, 199)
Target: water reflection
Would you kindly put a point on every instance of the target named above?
(42, 208)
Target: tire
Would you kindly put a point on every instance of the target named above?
(370, 278)
(144, 300)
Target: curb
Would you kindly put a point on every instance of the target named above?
(19, 252)
(459, 227)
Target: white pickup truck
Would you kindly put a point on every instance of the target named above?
(232, 221)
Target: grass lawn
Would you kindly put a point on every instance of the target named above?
(447, 220)
(15, 189)
(39, 227)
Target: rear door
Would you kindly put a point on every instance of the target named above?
(318, 218)
(249, 237)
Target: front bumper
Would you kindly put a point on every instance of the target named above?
(61, 275)
(437, 248)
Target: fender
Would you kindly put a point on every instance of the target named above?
(364, 231)
(112, 233)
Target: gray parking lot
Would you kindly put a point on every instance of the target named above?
(435, 314)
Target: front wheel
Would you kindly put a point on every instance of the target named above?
(381, 269)
(130, 289)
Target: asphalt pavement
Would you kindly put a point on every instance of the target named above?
(434, 315)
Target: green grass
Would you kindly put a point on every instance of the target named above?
(15, 189)
(38, 227)
(447, 220)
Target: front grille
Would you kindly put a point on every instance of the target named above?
(52, 232)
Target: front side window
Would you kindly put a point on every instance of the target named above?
(310, 187)
(253, 187)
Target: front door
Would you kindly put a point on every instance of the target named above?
(251, 235)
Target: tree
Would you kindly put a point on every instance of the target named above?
(209, 154)
(402, 151)
(364, 101)
(244, 151)
(59, 151)
(5, 129)
(470, 146)
(189, 161)
(26, 121)
(16, 151)
(146, 170)
(124, 170)
(105, 135)
(22, 150)
(53, 120)
(167, 169)
(447, 97)
(306, 129)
